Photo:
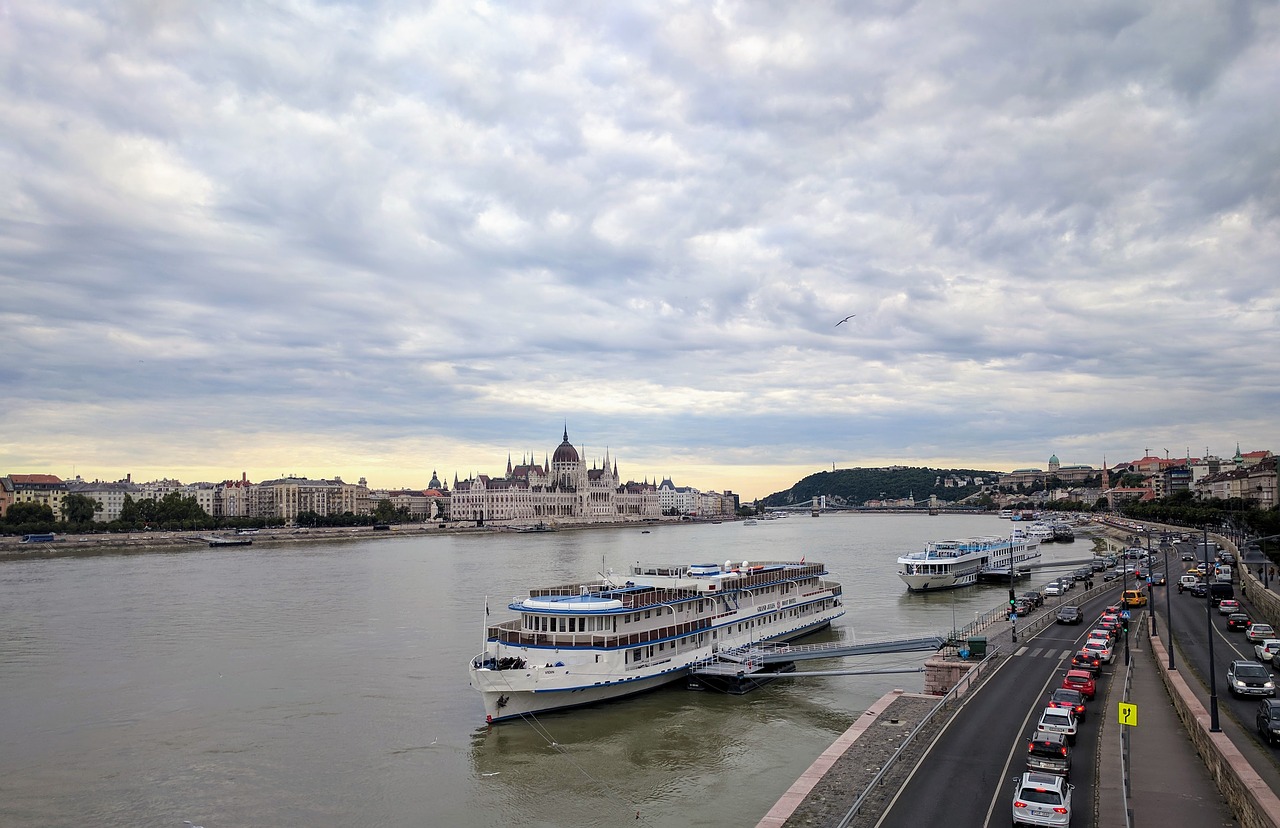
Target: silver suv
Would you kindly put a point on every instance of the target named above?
(1058, 720)
(1041, 799)
(1247, 678)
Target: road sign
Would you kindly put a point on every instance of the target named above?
(1013, 616)
(1124, 615)
(1129, 714)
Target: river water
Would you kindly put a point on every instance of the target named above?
(326, 685)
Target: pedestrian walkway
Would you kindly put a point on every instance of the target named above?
(1168, 783)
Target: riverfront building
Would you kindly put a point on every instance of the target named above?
(559, 490)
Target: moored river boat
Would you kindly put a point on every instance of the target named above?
(619, 635)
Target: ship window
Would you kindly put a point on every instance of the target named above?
(573, 625)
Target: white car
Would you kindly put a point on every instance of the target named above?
(1052, 588)
(1268, 648)
(1101, 646)
(1258, 631)
(1062, 720)
(1041, 799)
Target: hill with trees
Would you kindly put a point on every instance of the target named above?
(854, 487)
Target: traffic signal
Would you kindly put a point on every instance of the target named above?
(1013, 598)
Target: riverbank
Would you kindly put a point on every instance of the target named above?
(12, 548)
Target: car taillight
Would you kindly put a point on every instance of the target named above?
(1018, 803)
(1064, 751)
(1059, 810)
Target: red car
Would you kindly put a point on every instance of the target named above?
(1081, 680)
(1086, 660)
(1070, 698)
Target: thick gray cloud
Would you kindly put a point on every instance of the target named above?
(375, 239)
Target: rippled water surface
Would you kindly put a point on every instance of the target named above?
(327, 685)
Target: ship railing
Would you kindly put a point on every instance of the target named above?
(510, 632)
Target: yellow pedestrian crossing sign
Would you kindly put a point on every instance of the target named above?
(1129, 714)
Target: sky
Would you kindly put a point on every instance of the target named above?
(382, 239)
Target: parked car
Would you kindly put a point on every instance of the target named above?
(1053, 589)
(1244, 678)
(1257, 631)
(1267, 720)
(1058, 720)
(1070, 615)
(1110, 575)
(1267, 648)
(1049, 753)
(1034, 597)
(1071, 699)
(1241, 621)
(1081, 680)
(1041, 799)
(1228, 606)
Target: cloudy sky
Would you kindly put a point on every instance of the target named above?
(380, 239)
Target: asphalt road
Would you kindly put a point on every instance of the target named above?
(966, 777)
(1191, 636)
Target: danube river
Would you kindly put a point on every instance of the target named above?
(327, 685)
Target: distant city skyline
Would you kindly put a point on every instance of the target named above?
(730, 243)
(211, 474)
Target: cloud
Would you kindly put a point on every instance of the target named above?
(454, 228)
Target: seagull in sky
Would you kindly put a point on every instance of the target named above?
(846, 319)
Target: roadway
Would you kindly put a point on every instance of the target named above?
(1191, 657)
(966, 777)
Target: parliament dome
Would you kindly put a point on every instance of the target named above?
(565, 452)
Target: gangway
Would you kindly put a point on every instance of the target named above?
(742, 669)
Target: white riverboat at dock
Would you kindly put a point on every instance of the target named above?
(955, 563)
(589, 642)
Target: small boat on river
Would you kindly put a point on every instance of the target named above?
(619, 635)
(956, 563)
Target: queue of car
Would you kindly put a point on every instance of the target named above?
(1042, 795)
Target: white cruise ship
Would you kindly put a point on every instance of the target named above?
(590, 642)
(956, 563)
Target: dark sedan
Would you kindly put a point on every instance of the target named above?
(1268, 720)
(1070, 615)
(1086, 660)
(1237, 621)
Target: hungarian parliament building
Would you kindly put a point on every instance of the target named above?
(563, 490)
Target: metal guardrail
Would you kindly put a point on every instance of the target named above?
(952, 695)
(1125, 788)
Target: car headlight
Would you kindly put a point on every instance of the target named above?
(1238, 683)
(1270, 685)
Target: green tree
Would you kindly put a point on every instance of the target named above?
(385, 512)
(20, 513)
(130, 514)
(78, 508)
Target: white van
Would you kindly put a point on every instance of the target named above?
(1187, 582)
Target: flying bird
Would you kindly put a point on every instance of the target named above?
(846, 319)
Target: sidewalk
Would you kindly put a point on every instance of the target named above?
(1169, 784)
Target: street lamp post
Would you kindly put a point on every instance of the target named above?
(1168, 605)
(1208, 621)
(1151, 587)
(1124, 587)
